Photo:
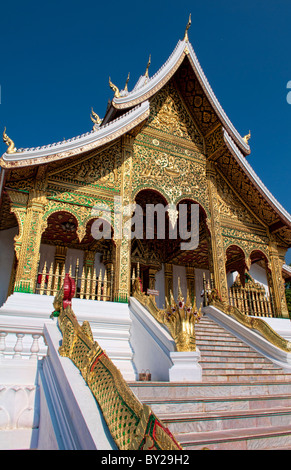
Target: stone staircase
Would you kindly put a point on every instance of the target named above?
(243, 402)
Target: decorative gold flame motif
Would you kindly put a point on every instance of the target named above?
(95, 118)
(247, 137)
(114, 88)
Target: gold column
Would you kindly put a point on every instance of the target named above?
(31, 237)
(123, 245)
(152, 278)
(220, 279)
(279, 297)
(60, 257)
(168, 279)
(89, 260)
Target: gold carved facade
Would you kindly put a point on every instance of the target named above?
(174, 155)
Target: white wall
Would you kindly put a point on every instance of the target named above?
(6, 260)
(259, 275)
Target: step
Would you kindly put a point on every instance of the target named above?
(238, 439)
(186, 391)
(207, 363)
(179, 423)
(240, 378)
(212, 404)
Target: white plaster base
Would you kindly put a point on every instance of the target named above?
(185, 367)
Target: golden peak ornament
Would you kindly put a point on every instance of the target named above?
(95, 118)
(186, 30)
(247, 137)
(148, 66)
(9, 142)
(114, 88)
(126, 83)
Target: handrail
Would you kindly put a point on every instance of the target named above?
(252, 323)
(132, 424)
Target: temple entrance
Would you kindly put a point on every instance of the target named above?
(158, 255)
(89, 261)
(249, 283)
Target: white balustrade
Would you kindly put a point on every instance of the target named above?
(21, 345)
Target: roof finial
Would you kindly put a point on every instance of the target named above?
(126, 83)
(247, 137)
(186, 30)
(114, 88)
(9, 142)
(148, 66)
(95, 118)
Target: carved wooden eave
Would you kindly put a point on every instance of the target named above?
(78, 145)
(146, 87)
(282, 219)
(286, 271)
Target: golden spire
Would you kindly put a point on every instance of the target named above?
(187, 27)
(247, 137)
(148, 66)
(126, 83)
(9, 142)
(95, 118)
(114, 88)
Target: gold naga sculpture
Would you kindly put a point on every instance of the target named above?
(179, 317)
(9, 142)
(95, 118)
(114, 88)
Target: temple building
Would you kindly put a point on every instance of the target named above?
(99, 229)
(167, 141)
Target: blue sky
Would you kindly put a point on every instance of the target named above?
(57, 57)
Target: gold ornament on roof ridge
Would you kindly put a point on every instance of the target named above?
(114, 88)
(126, 83)
(95, 118)
(247, 137)
(187, 27)
(148, 66)
(9, 142)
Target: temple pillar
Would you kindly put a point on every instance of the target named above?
(152, 278)
(28, 252)
(60, 257)
(278, 287)
(123, 237)
(220, 279)
(168, 279)
(190, 274)
(89, 261)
